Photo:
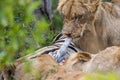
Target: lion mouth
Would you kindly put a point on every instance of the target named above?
(72, 36)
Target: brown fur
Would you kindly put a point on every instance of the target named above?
(93, 25)
(42, 67)
(75, 60)
(30, 69)
(104, 61)
(107, 60)
(46, 68)
(62, 75)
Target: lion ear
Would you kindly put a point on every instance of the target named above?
(92, 5)
(60, 4)
(84, 56)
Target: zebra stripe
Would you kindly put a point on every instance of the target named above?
(53, 49)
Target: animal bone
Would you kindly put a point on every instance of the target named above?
(61, 54)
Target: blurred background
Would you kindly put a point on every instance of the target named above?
(25, 26)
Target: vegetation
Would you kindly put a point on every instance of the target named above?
(21, 33)
(101, 76)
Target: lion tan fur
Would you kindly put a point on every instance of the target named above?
(107, 60)
(31, 69)
(47, 68)
(75, 62)
(66, 76)
(43, 67)
(93, 24)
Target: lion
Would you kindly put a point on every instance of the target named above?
(107, 60)
(44, 67)
(66, 76)
(40, 67)
(31, 69)
(92, 24)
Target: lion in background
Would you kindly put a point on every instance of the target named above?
(92, 24)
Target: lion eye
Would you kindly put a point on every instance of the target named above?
(78, 17)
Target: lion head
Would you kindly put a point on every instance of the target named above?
(76, 14)
(77, 62)
(105, 61)
(93, 25)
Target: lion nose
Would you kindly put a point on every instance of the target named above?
(68, 34)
